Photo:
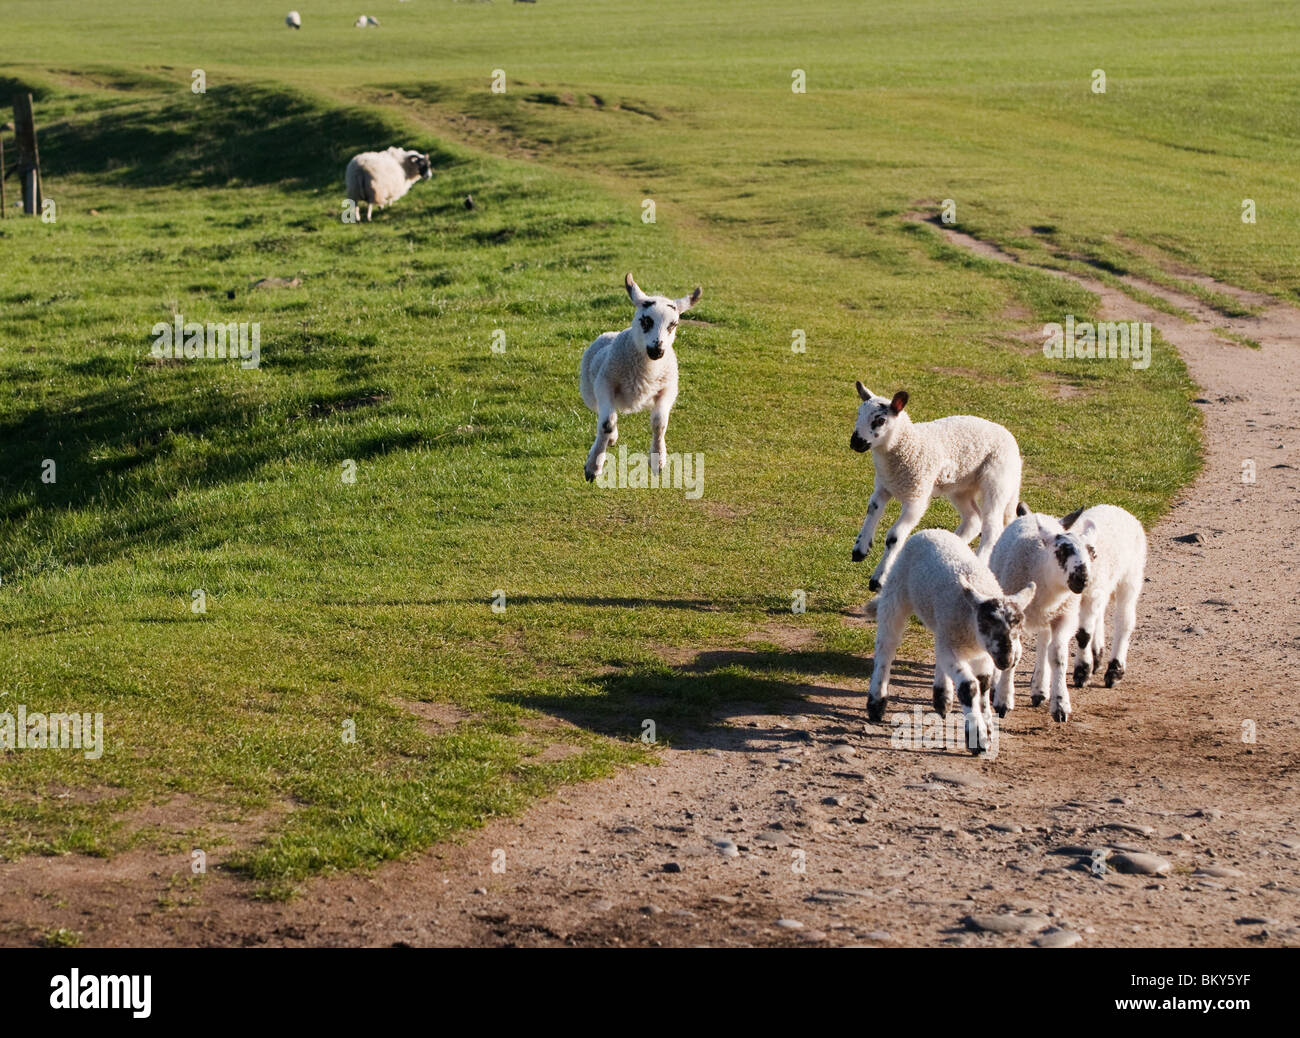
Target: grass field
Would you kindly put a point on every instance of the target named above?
(330, 602)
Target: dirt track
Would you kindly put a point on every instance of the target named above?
(839, 838)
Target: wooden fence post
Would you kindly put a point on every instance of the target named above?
(29, 162)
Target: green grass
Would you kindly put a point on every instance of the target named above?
(331, 602)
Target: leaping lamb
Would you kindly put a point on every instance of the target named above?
(629, 371)
(971, 461)
(380, 178)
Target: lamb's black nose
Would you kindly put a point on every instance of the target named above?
(1077, 582)
(858, 443)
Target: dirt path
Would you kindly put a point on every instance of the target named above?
(810, 827)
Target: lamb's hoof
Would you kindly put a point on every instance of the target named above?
(1081, 672)
(1002, 711)
(1113, 673)
(1036, 700)
(873, 584)
(941, 702)
(1060, 715)
(858, 556)
(876, 708)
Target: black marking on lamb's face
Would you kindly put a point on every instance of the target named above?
(647, 322)
(1072, 565)
(998, 622)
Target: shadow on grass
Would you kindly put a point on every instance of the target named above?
(694, 705)
(234, 134)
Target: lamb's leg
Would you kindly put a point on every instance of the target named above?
(370, 210)
(1057, 652)
(891, 622)
(1126, 597)
(971, 523)
(984, 672)
(1038, 683)
(606, 437)
(970, 697)
(1086, 637)
(880, 497)
(1004, 694)
(663, 407)
(993, 510)
(912, 513)
(943, 689)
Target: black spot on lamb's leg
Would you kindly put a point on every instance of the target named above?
(966, 693)
(986, 682)
(873, 584)
(858, 556)
(1036, 699)
(1081, 672)
(890, 541)
(1083, 638)
(1113, 673)
(940, 700)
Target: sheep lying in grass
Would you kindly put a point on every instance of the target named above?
(976, 627)
(1117, 576)
(1038, 550)
(631, 370)
(380, 178)
(293, 20)
(972, 462)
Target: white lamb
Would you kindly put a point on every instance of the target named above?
(972, 462)
(976, 627)
(631, 370)
(380, 178)
(1117, 576)
(1036, 549)
(293, 20)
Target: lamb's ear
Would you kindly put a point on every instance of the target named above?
(863, 391)
(1088, 532)
(634, 290)
(899, 402)
(686, 302)
(1046, 534)
(1069, 520)
(968, 588)
(1022, 599)
(1022, 510)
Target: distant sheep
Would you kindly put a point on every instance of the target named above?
(1117, 576)
(380, 178)
(1037, 549)
(293, 20)
(632, 370)
(972, 462)
(976, 627)
(364, 21)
